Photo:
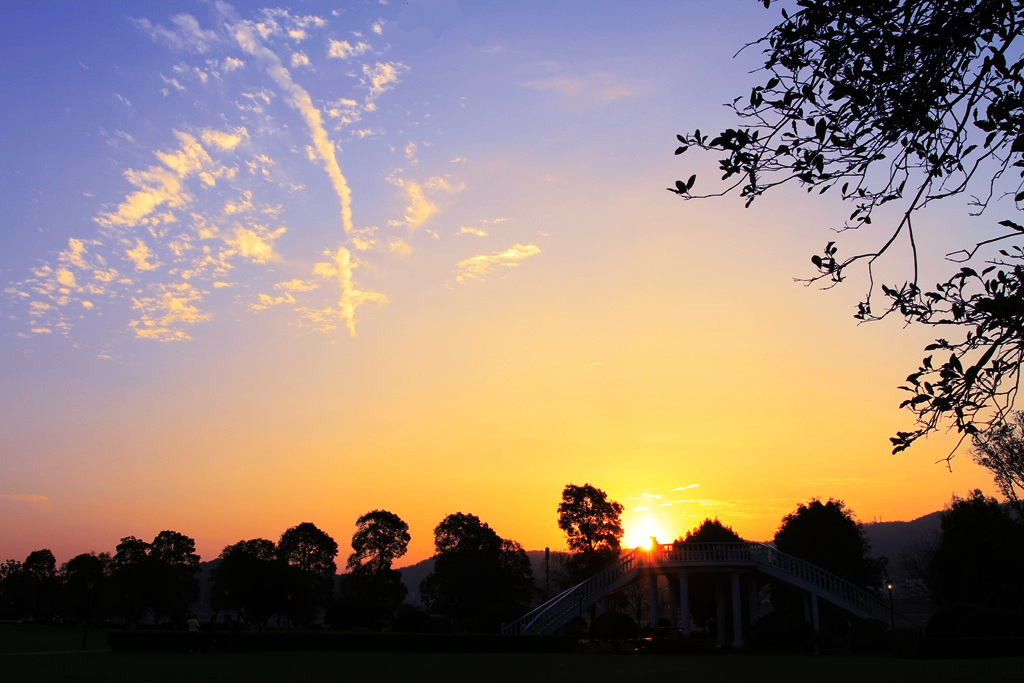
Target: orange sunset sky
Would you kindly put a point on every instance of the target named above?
(266, 266)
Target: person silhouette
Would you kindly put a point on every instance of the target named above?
(193, 633)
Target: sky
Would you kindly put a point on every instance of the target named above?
(264, 265)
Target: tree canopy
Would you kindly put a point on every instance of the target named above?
(308, 553)
(1001, 451)
(592, 527)
(479, 578)
(979, 556)
(381, 537)
(29, 588)
(158, 576)
(248, 580)
(309, 549)
(711, 531)
(902, 103)
(371, 593)
(827, 535)
(590, 520)
(703, 605)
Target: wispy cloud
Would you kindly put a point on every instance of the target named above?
(477, 267)
(298, 98)
(207, 214)
(158, 186)
(478, 231)
(341, 268)
(32, 498)
(183, 34)
(140, 256)
(420, 208)
(422, 198)
(225, 141)
(254, 244)
(593, 89)
(165, 317)
(342, 49)
(381, 77)
(162, 186)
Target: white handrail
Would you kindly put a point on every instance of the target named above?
(556, 611)
(537, 620)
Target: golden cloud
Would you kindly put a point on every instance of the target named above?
(476, 267)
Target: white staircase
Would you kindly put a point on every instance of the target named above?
(762, 557)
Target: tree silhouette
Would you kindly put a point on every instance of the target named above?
(158, 576)
(980, 554)
(905, 103)
(703, 599)
(130, 581)
(372, 591)
(173, 565)
(249, 580)
(40, 568)
(29, 588)
(592, 528)
(309, 555)
(309, 549)
(711, 531)
(827, 535)
(1001, 452)
(381, 537)
(479, 578)
(85, 586)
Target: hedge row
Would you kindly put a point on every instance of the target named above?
(168, 641)
(959, 648)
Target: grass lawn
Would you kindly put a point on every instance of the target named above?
(36, 638)
(111, 667)
(72, 664)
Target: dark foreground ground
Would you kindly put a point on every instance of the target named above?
(111, 667)
(62, 659)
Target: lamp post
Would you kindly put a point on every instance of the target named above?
(547, 573)
(88, 611)
(892, 612)
(579, 604)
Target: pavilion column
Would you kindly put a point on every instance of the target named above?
(811, 611)
(673, 603)
(737, 612)
(684, 604)
(654, 604)
(754, 599)
(720, 611)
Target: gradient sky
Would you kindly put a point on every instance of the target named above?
(266, 266)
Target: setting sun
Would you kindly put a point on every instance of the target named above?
(638, 533)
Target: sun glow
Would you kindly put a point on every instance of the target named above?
(639, 532)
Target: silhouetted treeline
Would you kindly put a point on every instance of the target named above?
(479, 580)
(973, 569)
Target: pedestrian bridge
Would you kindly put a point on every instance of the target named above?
(738, 562)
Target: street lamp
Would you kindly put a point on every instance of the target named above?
(892, 612)
(88, 611)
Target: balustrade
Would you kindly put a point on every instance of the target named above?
(559, 609)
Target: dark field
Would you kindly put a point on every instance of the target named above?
(111, 667)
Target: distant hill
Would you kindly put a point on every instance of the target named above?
(893, 539)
